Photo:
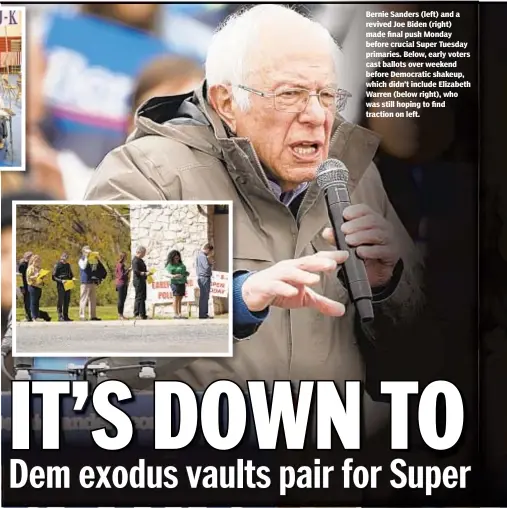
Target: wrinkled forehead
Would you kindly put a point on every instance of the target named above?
(310, 62)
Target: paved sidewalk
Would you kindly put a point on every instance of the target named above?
(133, 337)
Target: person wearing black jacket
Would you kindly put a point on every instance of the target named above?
(6, 309)
(62, 271)
(22, 267)
(140, 275)
(122, 283)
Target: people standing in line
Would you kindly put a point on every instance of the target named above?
(35, 285)
(179, 274)
(122, 283)
(22, 267)
(88, 289)
(140, 276)
(203, 267)
(62, 272)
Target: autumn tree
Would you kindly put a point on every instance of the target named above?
(49, 230)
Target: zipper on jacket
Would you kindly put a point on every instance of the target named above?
(259, 165)
(305, 198)
(265, 180)
(336, 134)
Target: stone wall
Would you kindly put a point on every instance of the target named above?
(161, 228)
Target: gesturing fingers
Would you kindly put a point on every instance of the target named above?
(323, 261)
(323, 304)
(277, 288)
(286, 284)
(294, 275)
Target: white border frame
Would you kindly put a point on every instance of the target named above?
(141, 354)
(24, 57)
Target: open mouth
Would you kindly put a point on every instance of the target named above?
(307, 151)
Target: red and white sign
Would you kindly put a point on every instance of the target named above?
(159, 291)
(220, 284)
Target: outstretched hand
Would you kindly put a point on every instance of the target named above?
(286, 284)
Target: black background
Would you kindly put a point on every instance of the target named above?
(493, 261)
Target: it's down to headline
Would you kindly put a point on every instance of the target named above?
(224, 417)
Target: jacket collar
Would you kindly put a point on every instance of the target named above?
(190, 119)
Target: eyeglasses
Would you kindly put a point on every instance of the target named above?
(295, 100)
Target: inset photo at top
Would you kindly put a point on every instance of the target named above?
(12, 88)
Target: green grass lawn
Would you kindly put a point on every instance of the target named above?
(105, 312)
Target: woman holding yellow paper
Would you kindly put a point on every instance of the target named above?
(179, 274)
(63, 276)
(36, 276)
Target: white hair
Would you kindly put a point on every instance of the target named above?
(140, 249)
(229, 51)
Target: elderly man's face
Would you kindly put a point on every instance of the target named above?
(291, 145)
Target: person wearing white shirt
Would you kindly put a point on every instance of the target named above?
(88, 290)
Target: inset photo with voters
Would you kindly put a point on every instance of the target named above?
(253, 254)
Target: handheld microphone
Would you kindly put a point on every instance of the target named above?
(332, 178)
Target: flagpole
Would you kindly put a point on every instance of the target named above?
(6, 50)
